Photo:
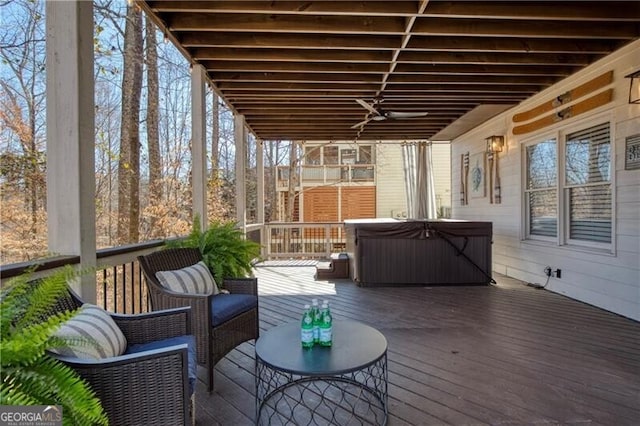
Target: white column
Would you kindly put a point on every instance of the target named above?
(241, 155)
(260, 197)
(70, 136)
(199, 144)
(260, 178)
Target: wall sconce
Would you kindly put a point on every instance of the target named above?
(634, 87)
(495, 143)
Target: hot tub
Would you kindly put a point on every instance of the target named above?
(387, 252)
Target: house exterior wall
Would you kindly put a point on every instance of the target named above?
(609, 279)
(390, 187)
(390, 182)
(441, 158)
(384, 196)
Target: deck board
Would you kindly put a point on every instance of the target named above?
(503, 354)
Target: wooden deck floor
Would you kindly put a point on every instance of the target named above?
(505, 354)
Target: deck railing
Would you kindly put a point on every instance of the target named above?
(329, 174)
(119, 281)
(302, 240)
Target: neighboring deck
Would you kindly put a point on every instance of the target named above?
(504, 354)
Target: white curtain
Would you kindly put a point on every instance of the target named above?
(418, 173)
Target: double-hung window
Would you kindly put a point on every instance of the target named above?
(567, 191)
(587, 184)
(541, 190)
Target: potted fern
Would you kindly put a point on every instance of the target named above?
(224, 249)
(29, 376)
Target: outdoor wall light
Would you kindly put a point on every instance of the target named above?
(634, 87)
(495, 143)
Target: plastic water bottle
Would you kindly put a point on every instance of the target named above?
(306, 328)
(326, 326)
(315, 310)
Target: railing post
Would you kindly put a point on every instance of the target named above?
(327, 242)
(267, 237)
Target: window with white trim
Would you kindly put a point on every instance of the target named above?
(569, 201)
(587, 184)
(541, 189)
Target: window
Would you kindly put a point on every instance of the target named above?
(576, 209)
(348, 156)
(588, 184)
(364, 154)
(542, 189)
(312, 155)
(330, 155)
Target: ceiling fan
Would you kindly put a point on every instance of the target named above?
(378, 114)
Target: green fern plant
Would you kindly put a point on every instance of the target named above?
(224, 249)
(29, 375)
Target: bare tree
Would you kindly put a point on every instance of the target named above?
(294, 163)
(129, 162)
(153, 138)
(22, 103)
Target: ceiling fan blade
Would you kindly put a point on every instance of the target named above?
(360, 124)
(370, 108)
(405, 114)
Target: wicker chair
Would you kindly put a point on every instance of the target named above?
(213, 341)
(146, 387)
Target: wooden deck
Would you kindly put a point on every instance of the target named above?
(503, 354)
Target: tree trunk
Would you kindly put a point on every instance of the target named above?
(293, 181)
(129, 162)
(153, 139)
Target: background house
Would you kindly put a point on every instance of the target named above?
(346, 180)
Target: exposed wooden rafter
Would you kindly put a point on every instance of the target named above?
(295, 68)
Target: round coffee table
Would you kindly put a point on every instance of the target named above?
(340, 385)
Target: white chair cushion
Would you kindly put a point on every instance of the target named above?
(194, 279)
(91, 333)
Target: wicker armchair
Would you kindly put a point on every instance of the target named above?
(213, 341)
(147, 387)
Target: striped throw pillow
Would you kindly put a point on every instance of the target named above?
(91, 333)
(194, 279)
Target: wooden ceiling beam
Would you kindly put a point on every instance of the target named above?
(511, 44)
(331, 104)
(275, 23)
(262, 87)
(303, 119)
(292, 77)
(272, 114)
(484, 58)
(310, 67)
(297, 41)
(531, 28)
(481, 97)
(267, 88)
(537, 10)
(485, 69)
(471, 78)
(295, 54)
(340, 7)
(323, 125)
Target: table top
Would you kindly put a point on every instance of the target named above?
(355, 346)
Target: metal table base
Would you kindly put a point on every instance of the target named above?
(358, 396)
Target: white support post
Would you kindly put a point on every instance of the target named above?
(70, 136)
(241, 155)
(260, 189)
(260, 177)
(199, 144)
